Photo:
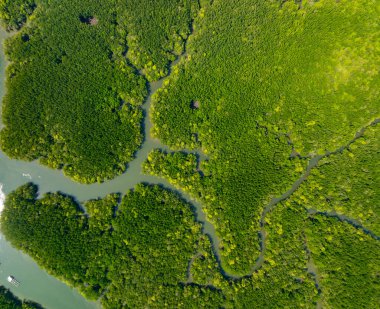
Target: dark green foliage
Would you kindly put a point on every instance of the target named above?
(135, 253)
(72, 98)
(13, 13)
(238, 199)
(50, 231)
(264, 87)
(10, 301)
(72, 95)
(31, 305)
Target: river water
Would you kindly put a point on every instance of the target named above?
(36, 284)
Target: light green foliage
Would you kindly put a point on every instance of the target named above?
(326, 70)
(348, 183)
(204, 268)
(260, 83)
(14, 13)
(157, 30)
(135, 253)
(178, 167)
(283, 280)
(182, 170)
(348, 262)
(233, 207)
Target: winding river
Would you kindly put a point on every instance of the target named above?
(36, 284)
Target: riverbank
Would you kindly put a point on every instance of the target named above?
(36, 284)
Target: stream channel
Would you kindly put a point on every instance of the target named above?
(51, 293)
(36, 284)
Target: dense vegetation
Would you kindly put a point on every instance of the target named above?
(134, 252)
(284, 279)
(347, 183)
(145, 249)
(13, 13)
(9, 301)
(348, 262)
(263, 88)
(157, 31)
(73, 96)
(239, 241)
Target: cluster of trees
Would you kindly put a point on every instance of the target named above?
(14, 13)
(347, 183)
(271, 82)
(157, 31)
(73, 96)
(132, 251)
(10, 301)
(283, 279)
(312, 260)
(144, 249)
(178, 167)
(231, 198)
(301, 267)
(348, 263)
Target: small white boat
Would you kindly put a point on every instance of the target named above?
(12, 280)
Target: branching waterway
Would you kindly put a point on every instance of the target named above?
(36, 284)
(313, 162)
